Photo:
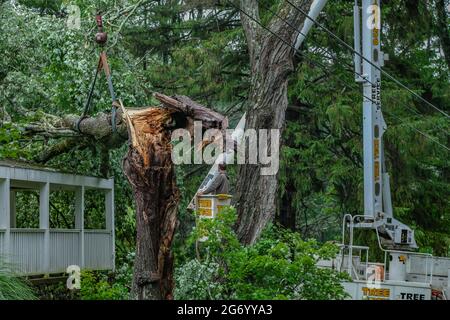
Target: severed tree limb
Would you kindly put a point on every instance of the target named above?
(194, 111)
(93, 131)
(98, 127)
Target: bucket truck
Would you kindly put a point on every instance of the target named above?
(405, 273)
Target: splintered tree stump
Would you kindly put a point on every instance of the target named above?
(150, 171)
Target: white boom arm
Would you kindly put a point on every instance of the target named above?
(316, 7)
(377, 193)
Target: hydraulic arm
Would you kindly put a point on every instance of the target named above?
(369, 59)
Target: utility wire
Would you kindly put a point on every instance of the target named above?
(419, 131)
(330, 54)
(331, 33)
(355, 72)
(316, 63)
(358, 74)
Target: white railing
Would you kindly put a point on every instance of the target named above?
(65, 249)
(97, 249)
(27, 246)
(45, 250)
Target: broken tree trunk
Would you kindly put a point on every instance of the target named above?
(151, 173)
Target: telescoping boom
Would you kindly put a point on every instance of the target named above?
(369, 59)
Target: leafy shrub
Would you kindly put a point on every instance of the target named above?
(279, 266)
(96, 285)
(55, 291)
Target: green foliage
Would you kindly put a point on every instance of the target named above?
(98, 285)
(56, 291)
(27, 209)
(279, 266)
(11, 286)
(9, 142)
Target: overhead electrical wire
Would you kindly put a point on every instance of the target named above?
(356, 73)
(330, 54)
(331, 33)
(297, 51)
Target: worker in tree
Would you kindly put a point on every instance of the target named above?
(220, 184)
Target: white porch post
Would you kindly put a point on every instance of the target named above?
(79, 220)
(5, 210)
(44, 222)
(12, 206)
(109, 205)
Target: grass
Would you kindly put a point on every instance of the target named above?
(13, 287)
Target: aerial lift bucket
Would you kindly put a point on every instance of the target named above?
(209, 206)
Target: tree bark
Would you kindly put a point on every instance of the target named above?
(152, 178)
(150, 171)
(271, 62)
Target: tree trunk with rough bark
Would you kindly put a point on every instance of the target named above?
(149, 168)
(271, 62)
(151, 174)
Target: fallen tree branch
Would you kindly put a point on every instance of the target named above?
(148, 167)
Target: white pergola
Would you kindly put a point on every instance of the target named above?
(43, 251)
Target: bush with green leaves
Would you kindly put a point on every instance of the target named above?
(279, 266)
(97, 285)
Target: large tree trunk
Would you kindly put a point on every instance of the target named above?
(271, 62)
(149, 168)
(151, 174)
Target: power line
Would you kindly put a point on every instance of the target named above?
(315, 63)
(419, 131)
(355, 72)
(365, 59)
(330, 54)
